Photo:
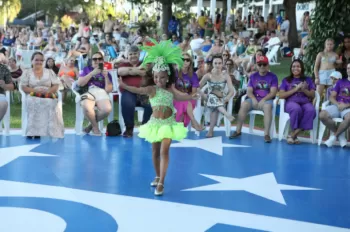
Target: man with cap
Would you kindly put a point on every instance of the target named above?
(339, 108)
(262, 89)
(335, 77)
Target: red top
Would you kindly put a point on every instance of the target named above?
(107, 65)
(134, 81)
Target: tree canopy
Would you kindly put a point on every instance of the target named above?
(9, 8)
(328, 21)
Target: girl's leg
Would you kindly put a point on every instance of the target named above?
(164, 162)
(213, 120)
(320, 90)
(156, 162)
(222, 110)
(194, 122)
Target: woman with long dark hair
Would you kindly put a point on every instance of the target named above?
(298, 90)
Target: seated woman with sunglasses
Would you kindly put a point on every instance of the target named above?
(187, 82)
(100, 84)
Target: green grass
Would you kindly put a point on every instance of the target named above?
(69, 103)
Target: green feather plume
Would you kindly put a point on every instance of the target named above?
(170, 54)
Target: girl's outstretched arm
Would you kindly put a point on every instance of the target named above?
(181, 96)
(149, 90)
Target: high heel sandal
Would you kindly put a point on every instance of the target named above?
(159, 193)
(155, 182)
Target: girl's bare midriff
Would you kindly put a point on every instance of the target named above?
(162, 112)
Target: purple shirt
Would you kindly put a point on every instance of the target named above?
(98, 80)
(298, 97)
(342, 87)
(186, 84)
(262, 84)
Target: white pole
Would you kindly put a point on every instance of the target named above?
(212, 9)
(199, 7)
(229, 5)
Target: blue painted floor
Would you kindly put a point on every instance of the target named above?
(87, 183)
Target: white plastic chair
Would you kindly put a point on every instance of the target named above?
(79, 114)
(24, 107)
(322, 128)
(252, 114)
(296, 52)
(139, 110)
(6, 119)
(26, 58)
(197, 115)
(284, 119)
(115, 91)
(272, 55)
(229, 108)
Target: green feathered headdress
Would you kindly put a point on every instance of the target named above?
(162, 55)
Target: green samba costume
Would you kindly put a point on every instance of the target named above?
(155, 130)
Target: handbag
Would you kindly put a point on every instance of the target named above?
(81, 89)
(113, 128)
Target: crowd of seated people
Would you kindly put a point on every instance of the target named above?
(220, 66)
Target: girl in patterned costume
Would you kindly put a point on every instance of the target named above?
(162, 128)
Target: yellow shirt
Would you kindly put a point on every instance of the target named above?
(201, 21)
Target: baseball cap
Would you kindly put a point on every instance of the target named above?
(262, 60)
(336, 75)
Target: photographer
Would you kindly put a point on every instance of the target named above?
(95, 78)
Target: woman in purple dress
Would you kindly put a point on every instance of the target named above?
(299, 91)
(187, 82)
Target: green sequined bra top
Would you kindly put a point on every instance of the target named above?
(162, 100)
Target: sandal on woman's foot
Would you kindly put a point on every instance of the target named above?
(96, 134)
(296, 140)
(290, 140)
(87, 130)
(154, 183)
(235, 135)
(209, 135)
(159, 193)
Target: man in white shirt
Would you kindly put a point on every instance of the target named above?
(273, 41)
(196, 43)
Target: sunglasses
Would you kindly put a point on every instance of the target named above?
(260, 65)
(97, 59)
(224, 54)
(229, 64)
(186, 60)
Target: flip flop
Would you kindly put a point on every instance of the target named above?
(235, 135)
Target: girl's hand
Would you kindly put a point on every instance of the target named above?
(317, 81)
(195, 96)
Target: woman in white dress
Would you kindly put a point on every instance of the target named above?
(44, 114)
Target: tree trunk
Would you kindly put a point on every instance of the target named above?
(223, 15)
(166, 14)
(290, 6)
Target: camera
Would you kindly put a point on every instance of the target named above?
(100, 66)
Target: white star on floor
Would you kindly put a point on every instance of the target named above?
(9, 154)
(264, 185)
(213, 145)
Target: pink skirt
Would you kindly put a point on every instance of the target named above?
(181, 111)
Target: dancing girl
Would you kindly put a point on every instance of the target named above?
(162, 127)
